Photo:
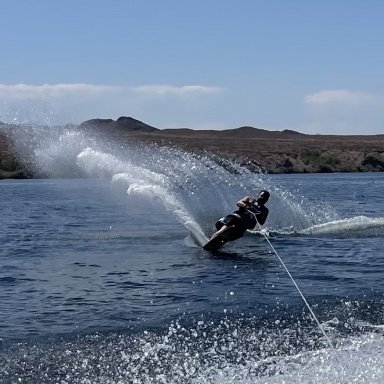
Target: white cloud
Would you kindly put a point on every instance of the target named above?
(340, 96)
(26, 91)
(170, 89)
(65, 103)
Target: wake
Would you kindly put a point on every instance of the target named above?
(361, 226)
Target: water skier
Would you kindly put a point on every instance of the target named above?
(231, 227)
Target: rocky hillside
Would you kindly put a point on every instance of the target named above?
(271, 151)
(10, 166)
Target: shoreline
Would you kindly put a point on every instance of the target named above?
(272, 152)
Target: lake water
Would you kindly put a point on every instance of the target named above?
(102, 282)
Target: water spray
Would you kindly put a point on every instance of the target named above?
(297, 287)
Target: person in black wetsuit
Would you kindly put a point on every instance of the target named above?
(250, 211)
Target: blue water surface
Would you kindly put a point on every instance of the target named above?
(102, 285)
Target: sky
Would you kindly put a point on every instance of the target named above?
(312, 66)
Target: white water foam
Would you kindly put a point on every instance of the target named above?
(360, 362)
(206, 353)
(358, 359)
(353, 224)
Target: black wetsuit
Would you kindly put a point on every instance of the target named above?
(243, 219)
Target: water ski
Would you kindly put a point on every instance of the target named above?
(214, 243)
(219, 240)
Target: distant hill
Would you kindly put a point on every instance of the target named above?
(122, 123)
(250, 132)
(129, 124)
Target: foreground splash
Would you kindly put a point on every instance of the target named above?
(226, 351)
